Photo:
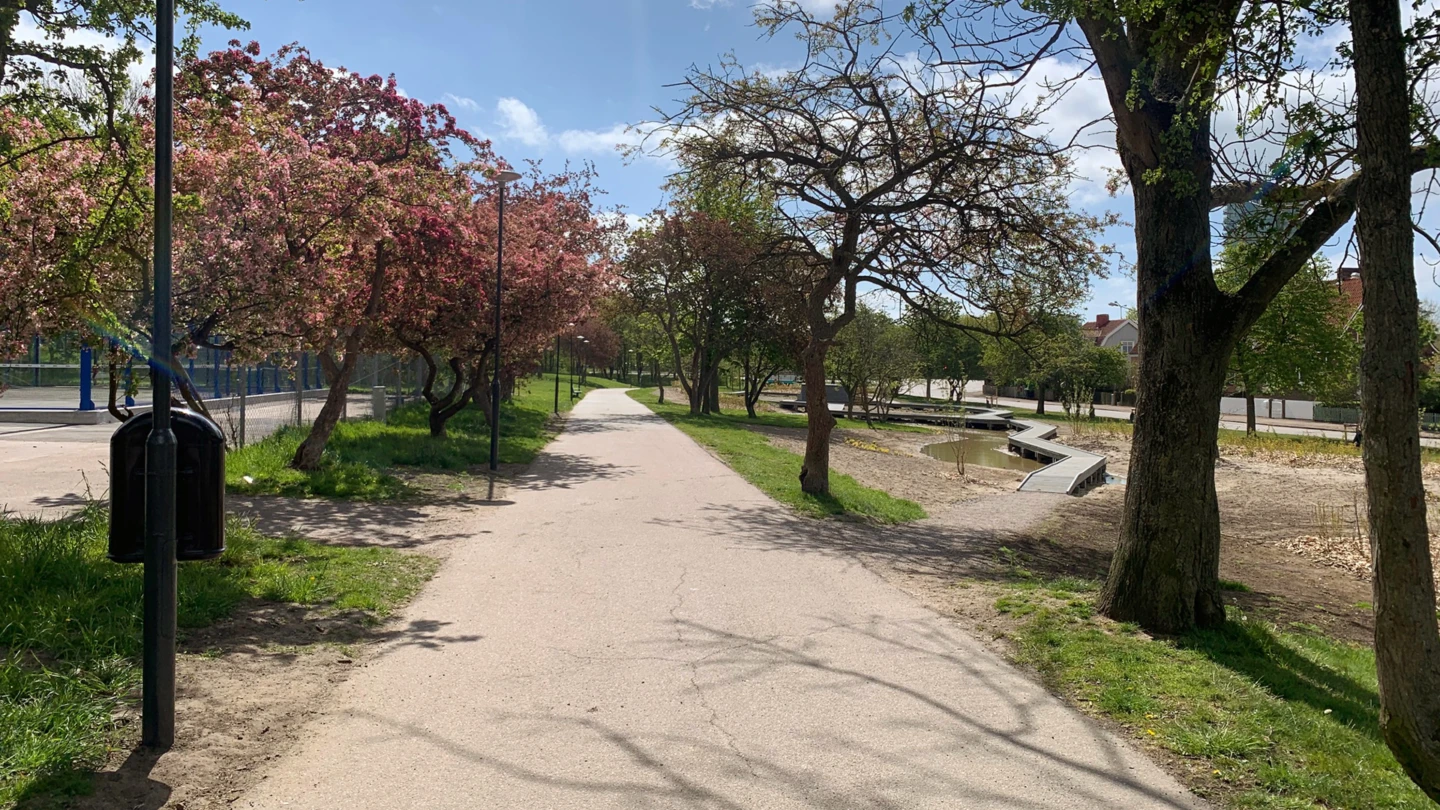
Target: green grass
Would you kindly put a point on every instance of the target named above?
(70, 629)
(776, 471)
(360, 457)
(1269, 718)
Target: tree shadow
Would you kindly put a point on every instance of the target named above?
(931, 547)
(1252, 650)
(390, 524)
(556, 470)
(129, 786)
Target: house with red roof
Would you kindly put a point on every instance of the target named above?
(1121, 334)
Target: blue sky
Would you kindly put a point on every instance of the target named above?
(558, 80)
(555, 80)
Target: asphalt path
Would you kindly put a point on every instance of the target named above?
(641, 628)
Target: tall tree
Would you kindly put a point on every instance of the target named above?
(918, 181)
(556, 267)
(693, 271)
(1079, 368)
(1165, 67)
(381, 153)
(1035, 357)
(1301, 342)
(872, 357)
(1407, 639)
(48, 206)
(954, 356)
(52, 67)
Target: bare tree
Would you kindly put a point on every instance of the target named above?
(930, 183)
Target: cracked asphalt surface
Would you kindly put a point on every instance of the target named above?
(641, 628)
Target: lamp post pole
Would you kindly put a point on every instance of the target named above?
(557, 375)
(157, 722)
(573, 360)
(505, 178)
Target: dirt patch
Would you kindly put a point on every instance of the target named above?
(1289, 525)
(892, 461)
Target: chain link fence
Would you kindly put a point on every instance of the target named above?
(379, 384)
(248, 402)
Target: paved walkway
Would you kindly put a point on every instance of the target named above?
(643, 629)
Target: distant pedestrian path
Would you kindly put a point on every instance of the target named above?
(46, 469)
(643, 629)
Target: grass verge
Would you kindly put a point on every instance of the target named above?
(70, 629)
(1258, 716)
(775, 471)
(361, 455)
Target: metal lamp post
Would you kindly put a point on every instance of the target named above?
(557, 375)
(157, 722)
(504, 178)
(557, 368)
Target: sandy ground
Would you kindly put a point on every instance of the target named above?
(891, 461)
(1292, 526)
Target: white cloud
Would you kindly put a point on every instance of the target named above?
(460, 101)
(632, 221)
(583, 141)
(519, 122)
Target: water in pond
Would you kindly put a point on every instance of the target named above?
(983, 447)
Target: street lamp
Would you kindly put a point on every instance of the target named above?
(503, 178)
(557, 368)
(574, 360)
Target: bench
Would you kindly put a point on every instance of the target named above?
(575, 391)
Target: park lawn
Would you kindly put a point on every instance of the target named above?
(361, 454)
(70, 628)
(1259, 716)
(776, 471)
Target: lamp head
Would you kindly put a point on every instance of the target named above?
(506, 176)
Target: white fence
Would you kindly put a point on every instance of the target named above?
(1273, 408)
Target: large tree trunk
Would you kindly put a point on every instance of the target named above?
(1040, 400)
(1249, 411)
(815, 472)
(1407, 640)
(308, 454)
(1165, 574)
(112, 404)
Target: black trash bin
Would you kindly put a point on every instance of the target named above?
(199, 488)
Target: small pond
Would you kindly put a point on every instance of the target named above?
(986, 448)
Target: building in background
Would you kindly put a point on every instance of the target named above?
(1123, 334)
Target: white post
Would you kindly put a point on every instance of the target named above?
(377, 402)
